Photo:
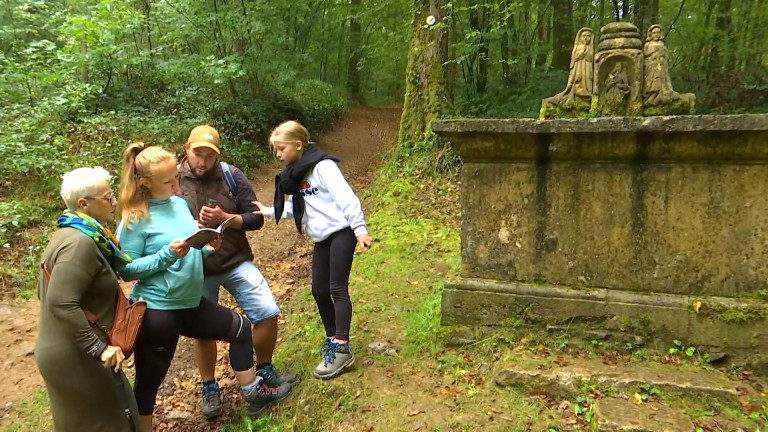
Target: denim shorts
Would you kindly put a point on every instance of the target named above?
(249, 288)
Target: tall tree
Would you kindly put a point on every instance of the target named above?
(721, 50)
(355, 53)
(426, 93)
(562, 33)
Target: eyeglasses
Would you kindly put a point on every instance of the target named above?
(109, 197)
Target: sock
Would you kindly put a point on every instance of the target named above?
(209, 383)
(249, 388)
(263, 365)
(339, 341)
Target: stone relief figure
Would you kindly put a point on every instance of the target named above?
(580, 78)
(658, 85)
(617, 90)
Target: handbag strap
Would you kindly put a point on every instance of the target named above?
(88, 314)
(120, 389)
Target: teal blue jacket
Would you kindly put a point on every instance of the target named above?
(164, 280)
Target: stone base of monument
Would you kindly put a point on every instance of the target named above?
(736, 329)
(618, 409)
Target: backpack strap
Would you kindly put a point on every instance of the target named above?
(229, 178)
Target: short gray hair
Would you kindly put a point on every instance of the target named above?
(82, 183)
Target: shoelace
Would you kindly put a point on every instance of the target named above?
(269, 375)
(330, 354)
(210, 394)
(326, 347)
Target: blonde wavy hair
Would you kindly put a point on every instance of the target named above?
(139, 161)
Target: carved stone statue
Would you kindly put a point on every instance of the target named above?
(617, 89)
(658, 91)
(619, 70)
(579, 89)
(622, 77)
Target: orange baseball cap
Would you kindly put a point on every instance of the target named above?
(204, 136)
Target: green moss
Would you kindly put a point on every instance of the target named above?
(678, 107)
(575, 109)
(738, 314)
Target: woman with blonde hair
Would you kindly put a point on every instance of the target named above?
(169, 273)
(78, 274)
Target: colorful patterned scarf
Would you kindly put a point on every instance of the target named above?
(104, 238)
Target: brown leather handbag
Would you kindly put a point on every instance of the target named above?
(127, 324)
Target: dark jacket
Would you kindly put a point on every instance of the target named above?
(196, 191)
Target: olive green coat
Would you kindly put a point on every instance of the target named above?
(82, 391)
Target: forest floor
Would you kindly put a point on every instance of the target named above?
(411, 374)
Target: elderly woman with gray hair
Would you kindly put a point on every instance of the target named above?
(81, 370)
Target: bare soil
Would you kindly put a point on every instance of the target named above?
(359, 140)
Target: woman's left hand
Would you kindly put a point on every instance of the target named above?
(364, 241)
(112, 357)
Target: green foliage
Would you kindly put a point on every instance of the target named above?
(16, 216)
(648, 391)
(503, 52)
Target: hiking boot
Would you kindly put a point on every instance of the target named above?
(274, 378)
(337, 358)
(211, 400)
(260, 398)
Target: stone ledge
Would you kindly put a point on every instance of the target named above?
(534, 373)
(689, 123)
(663, 317)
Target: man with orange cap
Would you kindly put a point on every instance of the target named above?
(214, 192)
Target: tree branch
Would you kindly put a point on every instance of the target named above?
(679, 11)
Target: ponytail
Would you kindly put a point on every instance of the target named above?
(139, 160)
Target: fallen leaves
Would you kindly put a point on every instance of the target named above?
(445, 391)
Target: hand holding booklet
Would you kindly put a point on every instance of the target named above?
(206, 235)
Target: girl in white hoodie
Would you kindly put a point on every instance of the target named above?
(322, 203)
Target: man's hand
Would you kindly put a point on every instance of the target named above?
(179, 248)
(212, 216)
(112, 357)
(364, 241)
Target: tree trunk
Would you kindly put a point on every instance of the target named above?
(426, 96)
(721, 49)
(84, 73)
(562, 33)
(654, 12)
(477, 22)
(639, 16)
(355, 53)
(543, 47)
(504, 54)
(645, 13)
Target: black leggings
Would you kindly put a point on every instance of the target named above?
(160, 332)
(331, 264)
